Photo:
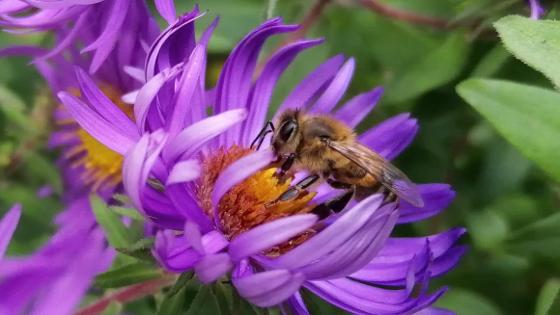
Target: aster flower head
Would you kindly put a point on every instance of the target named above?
(206, 191)
(86, 164)
(100, 27)
(67, 263)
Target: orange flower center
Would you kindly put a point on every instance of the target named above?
(253, 201)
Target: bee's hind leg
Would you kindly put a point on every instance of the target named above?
(389, 196)
(338, 185)
(334, 205)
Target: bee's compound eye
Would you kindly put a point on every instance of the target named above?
(287, 129)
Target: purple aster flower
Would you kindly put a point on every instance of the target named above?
(196, 179)
(67, 263)
(536, 9)
(101, 28)
(88, 165)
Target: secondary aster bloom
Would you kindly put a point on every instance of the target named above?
(67, 263)
(195, 178)
(87, 164)
(101, 27)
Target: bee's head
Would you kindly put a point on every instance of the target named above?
(286, 136)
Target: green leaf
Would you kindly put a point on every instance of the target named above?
(466, 302)
(205, 303)
(318, 306)
(115, 231)
(487, 228)
(14, 108)
(179, 298)
(242, 307)
(492, 62)
(128, 212)
(223, 296)
(540, 238)
(127, 275)
(436, 69)
(549, 298)
(528, 117)
(140, 249)
(534, 42)
(114, 308)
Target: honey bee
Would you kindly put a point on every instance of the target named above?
(328, 149)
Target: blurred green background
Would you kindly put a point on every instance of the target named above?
(509, 205)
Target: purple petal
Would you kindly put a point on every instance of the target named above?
(235, 81)
(12, 6)
(331, 237)
(239, 171)
(190, 80)
(167, 10)
(257, 283)
(137, 74)
(312, 84)
(105, 43)
(212, 267)
(393, 262)
(536, 9)
(264, 86)
(138, 163)
(269, 234)
(104, 106)
(356, 109)
(294, 305)
(74, 282)
(275, 291)
(356, 252)
(68, 40)
(174, 257)
(336, 89)
(355, 301)
(101, 129)
(173, 45)
(392, 136)
(189, 141)
(193, 236)
(436, 198)
(8, 226)
(148, 92)
(184, 171)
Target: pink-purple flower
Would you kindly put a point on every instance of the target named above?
(196, 180)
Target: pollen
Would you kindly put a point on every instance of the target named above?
(253, 201)
(102, 165)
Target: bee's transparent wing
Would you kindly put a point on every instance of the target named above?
(385, 172)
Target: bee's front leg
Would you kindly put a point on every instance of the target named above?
(286, 166)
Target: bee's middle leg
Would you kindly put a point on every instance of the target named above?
(295, 190)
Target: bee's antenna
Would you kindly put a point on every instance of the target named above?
(268, 128)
